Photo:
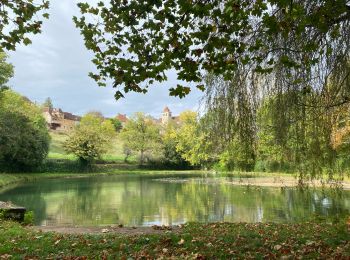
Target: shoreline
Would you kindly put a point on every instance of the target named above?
(111, 229)
(255, 179)
(7, 179)
(287, 182)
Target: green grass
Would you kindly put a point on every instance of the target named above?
(193, 241)
(7, 179)
(61, 156)
(57, 141)
(114, 154)
(60, 164)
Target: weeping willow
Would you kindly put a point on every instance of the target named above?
(300, 119)
(301, 79)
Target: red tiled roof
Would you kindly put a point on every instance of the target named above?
(122, 118)
(166, 109)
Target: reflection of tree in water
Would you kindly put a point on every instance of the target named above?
(31, 199)
(297, 205)
(169, 203)
(222, 202)
(141, 200)
(88, 205)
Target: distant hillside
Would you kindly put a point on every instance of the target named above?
(57, 151)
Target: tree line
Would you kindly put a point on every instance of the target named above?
(276, 61)
(24, 138)
(315, 144)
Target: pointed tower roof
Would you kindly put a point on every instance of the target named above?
(166, 109)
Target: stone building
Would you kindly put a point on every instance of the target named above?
(167, 117)
(60, 121)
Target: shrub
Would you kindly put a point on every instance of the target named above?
(90, 139)
(24, 138)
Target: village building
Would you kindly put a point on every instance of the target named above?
(122, 118)
(60, 121)
(167, 117)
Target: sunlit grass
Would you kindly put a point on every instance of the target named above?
(114, 153)
(61, 156)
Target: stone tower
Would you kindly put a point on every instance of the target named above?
(166, 116)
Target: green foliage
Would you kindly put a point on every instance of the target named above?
(22, 145)
(48, 103)
(137, 42)
(28, 218)
(140, 134)
(235, 156)
(246, 52)
(191, 143)
(304, 145)
(290, 130)
(18, 19)
(275, 142)
(6, 70)
(96, 114)
(117, 124)
(24, 138)
(171, 156)
(90, 139)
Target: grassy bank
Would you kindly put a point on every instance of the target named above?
(60, 164)
(8, 179)
(261, 179)
(57, 152)
(192, 241)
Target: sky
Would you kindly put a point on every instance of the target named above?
(57, 64)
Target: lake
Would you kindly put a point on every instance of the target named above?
(168, 199)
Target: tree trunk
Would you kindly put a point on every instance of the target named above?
(141, 157)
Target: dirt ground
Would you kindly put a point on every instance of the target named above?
(109, 229)
(281, 182)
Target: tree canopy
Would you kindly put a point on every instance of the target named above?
(90, 139)
(190, 141)
(18, 19)
(48, 103)
(6, 70)
(137, 42)
(141, 134)
(117, 124)
(241, 53)
(24, 138)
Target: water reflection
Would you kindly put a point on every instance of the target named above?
(147, 200)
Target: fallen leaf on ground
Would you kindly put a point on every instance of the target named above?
(277, 247)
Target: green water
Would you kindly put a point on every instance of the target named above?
(143, 200)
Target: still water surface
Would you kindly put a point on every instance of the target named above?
(143, 200)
